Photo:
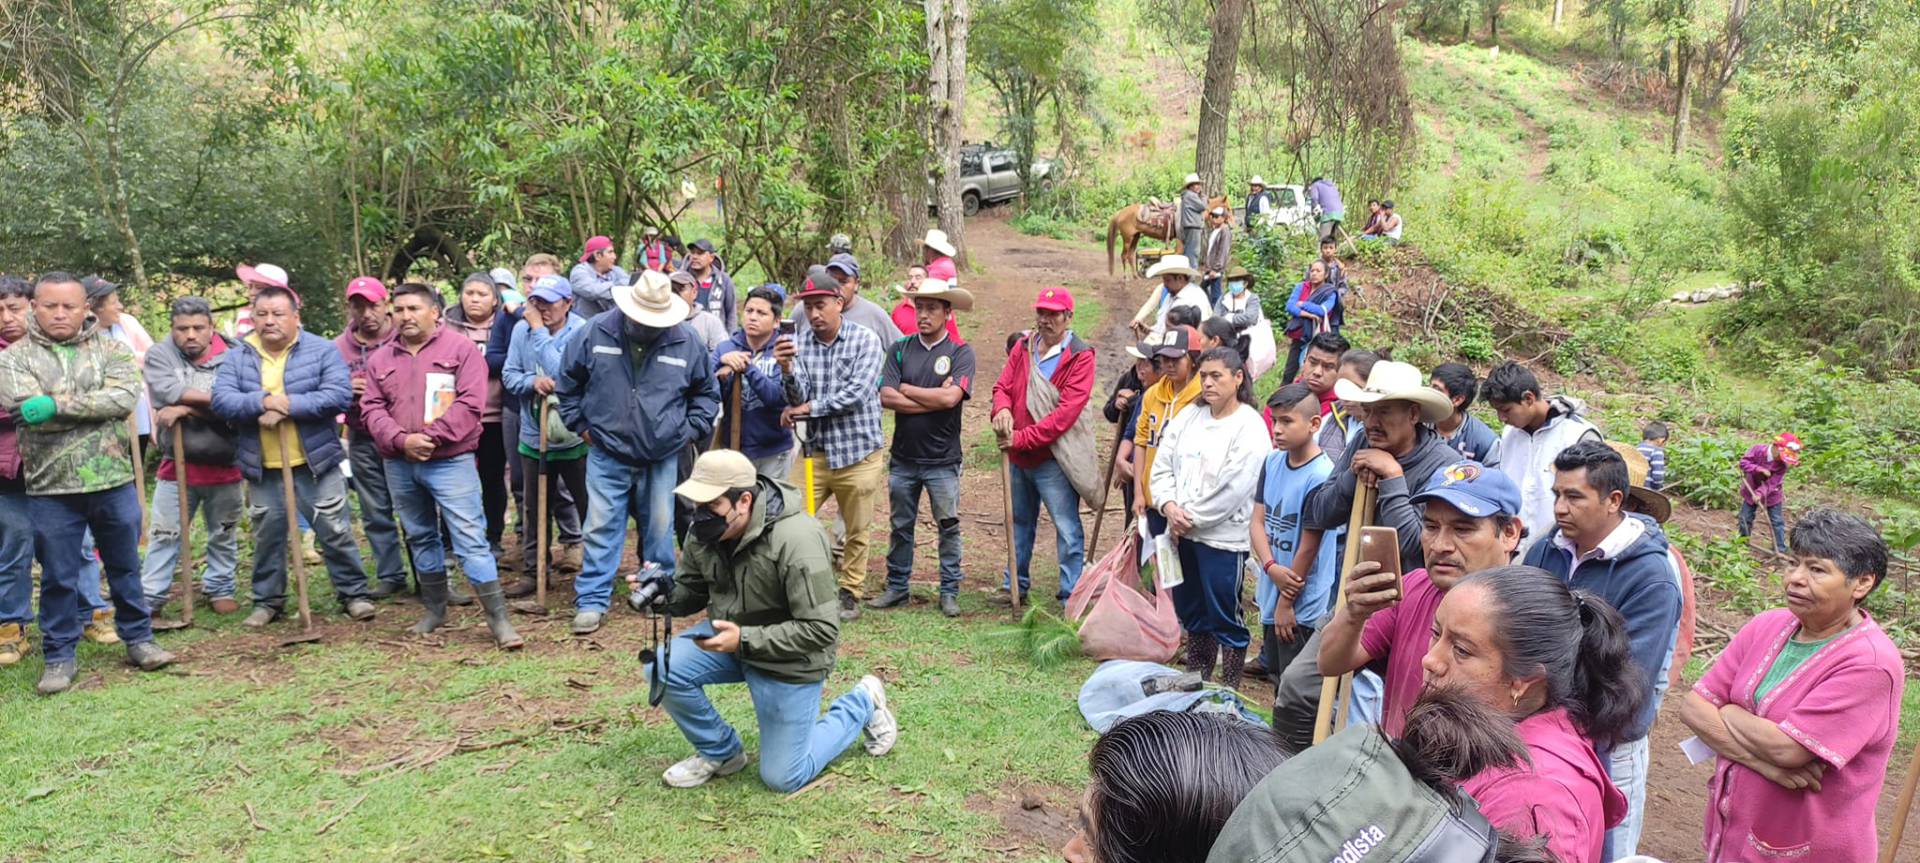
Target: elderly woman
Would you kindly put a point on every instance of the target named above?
(1555, 661)
(1164, 783)
(1803, 707)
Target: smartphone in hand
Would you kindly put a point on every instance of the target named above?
(786, 327)
(1381, 545)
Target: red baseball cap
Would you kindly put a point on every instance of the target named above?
(367, 288)
(595, 245)
(1054, 299)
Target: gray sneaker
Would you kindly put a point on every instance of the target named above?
(949, 605)
(261, 616)
(882, 730)
(149, 656)
(58, 677)
(697, 770)
(361, 609)
(587, 623)
(892, 598)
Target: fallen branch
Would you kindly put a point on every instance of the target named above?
(254, 819)
(423, 757)
(343, 813)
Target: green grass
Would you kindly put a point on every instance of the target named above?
(163, 766)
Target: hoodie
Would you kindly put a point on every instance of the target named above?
(95, 382)
(1629, 570)
(1563, 794)
(1527, 458)
(1328, 506)
(761, 402)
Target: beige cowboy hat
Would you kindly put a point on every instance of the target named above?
(650, 300)
(1640, 498)
(1174, 265)
(1393, 381)
(937, 241)
(938, 289)
(1190, 180)
(1256, 181)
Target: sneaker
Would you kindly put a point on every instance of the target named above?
(361, 609)
(949, 605)
(1255, 667)
(697, 770)
(849, 606)
(149, 656)
(224, 605)
(892, 598)
(882, 730)
(261, 616)
(14, 645)
(1003, 599)
(587, 623)
(100, 630)
(58, 677)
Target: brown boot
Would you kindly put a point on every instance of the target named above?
(569, 562)
(100, 629)
(14, 645)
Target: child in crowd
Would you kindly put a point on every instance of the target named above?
(1763, 477)
(1297, 588)
(1653, 445)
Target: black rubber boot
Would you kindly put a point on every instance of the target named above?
(1232, 664)
(496, 605)
(433, 597)
(1201, 650)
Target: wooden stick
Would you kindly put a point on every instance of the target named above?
(1331, 688)
(293, 529)
(734, 424)
(1890, 849)
(540, 506)
(1006, 507)
(139, 470)
(184, 573)
(1106, 491)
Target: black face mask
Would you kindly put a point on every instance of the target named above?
(642, 333)
(708, 526)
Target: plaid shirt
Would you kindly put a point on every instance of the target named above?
(842, 380)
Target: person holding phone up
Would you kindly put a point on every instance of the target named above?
(758, 565)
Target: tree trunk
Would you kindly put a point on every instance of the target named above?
(1227, 23)
(1683, 98)
(947, 22)
(1559, 10)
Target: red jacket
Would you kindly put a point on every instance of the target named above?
(356, 355)
(395, 403)
(1033, 439)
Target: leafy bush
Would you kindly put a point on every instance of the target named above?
(1705, 469)
(1727, 565)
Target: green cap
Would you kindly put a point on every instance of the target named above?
(1350, 799)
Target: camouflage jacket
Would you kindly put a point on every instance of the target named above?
(93, 379)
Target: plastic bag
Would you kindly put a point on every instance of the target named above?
(1117, 620)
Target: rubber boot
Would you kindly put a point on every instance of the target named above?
(433, 597)
(1200, 652)
(1232, 663)
(496, 605)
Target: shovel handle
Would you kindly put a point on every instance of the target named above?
(184, 573)
(299, 561)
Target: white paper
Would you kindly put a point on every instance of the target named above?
(1697, 750)
(439, 395)
(1167, 562)
(1147, 547)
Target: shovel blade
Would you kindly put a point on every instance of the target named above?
(300, 638)
(170, 624)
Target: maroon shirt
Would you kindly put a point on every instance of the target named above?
(356, 355)
(395, 403)
(9, 443)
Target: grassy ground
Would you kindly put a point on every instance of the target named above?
(318, 740)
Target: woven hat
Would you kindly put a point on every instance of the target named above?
(1393, 381)
(650, 301)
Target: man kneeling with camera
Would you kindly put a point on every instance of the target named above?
(759, 565)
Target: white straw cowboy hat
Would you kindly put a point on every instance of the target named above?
(937, 241)
(938, 289)
(1256, 181)
(1397, 382)
(1176, 265)
(1190, 180)
(1645, 500)
(650, 301)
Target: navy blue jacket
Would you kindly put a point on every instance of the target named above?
(760, 403)
(1640, 585)
(498, 341)
(318, 389)
(640, 409)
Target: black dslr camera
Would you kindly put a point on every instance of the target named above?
(650, 591)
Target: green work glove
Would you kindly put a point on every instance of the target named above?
(37, 410)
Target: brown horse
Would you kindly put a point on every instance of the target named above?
(1127, 225)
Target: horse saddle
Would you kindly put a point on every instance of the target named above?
(1157, 214)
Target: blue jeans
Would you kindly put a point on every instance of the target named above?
(16, 559)
(427, 493)
(796, 742)
(114, 517)
(376, 509)
(91, 599)
(220, 506)
(942, 484)
(322, 501)
(616, 489)
(1775, 516)
(1627, 768)
(1031, 487)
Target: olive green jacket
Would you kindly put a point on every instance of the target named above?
(775, 581)
(95, 384)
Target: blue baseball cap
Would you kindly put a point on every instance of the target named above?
(1477, 490)
(552, 289)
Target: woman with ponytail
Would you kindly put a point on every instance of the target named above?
(1556, 662)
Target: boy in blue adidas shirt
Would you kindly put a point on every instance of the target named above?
(1296, 591)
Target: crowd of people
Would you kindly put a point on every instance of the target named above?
(1519, 652)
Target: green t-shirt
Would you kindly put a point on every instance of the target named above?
(1793, 654)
